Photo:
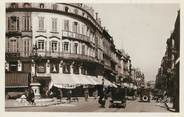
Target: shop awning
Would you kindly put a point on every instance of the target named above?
(16, 80)
(63, 81)
(93, 80)
(106, 82)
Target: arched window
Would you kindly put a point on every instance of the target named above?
(41, 5)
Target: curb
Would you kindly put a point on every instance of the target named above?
(169, 108)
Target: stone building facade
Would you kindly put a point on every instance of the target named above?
(48, 40)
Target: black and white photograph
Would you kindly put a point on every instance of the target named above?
(92, 57)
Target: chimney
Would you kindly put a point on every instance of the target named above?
(99, 20)
(96, 16)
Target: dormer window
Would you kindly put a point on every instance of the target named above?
(54, 6)
(66, 9)
(26, 5)
(41, 5)
(76, 11)
(14, 5)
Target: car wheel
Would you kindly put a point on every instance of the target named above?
(145, 98)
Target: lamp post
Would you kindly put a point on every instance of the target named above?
(35, 59)
(35, 85)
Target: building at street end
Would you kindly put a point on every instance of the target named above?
(58, 44)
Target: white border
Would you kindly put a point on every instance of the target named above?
(84, 114)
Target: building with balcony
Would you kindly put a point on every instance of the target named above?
(49, 40)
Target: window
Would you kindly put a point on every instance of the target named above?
(13, 45)
(13, 66)
(41, 23)
(26, 23)
(83, 28)
(76, 11)
(83, 49)
(66, 46)
(41, 68)
(13, 23)
(54, 24)
(83, 71)
(66, 69)
(54, 46)
(66, 9)
(26, 47)
(41, 5)
(76, 69)
(75, 26)
(66, 25)
(41, 44)
(75, 48)
(54, 68)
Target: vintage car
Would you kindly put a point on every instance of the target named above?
(118, 96)
(145, 95)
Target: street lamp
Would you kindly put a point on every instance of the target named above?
(35, 55)
(35, 85)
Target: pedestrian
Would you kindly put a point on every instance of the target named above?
(103, 96)
(30, 97)
(95, 94)
(86, 94)
(60, 94)
(69, 94)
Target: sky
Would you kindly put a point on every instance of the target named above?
(141, 30)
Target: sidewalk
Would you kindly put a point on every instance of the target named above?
(169, 106)
(16, 103)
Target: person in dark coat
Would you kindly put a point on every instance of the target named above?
(30, 96)
(69, 95)
(103, 96)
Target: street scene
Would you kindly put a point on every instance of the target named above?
(82, 57)
(91, 106)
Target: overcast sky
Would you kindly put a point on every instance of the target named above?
(141, 30)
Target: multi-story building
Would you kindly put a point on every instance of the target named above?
(168, 74)
(47, 42)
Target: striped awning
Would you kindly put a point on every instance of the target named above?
(16, 80)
